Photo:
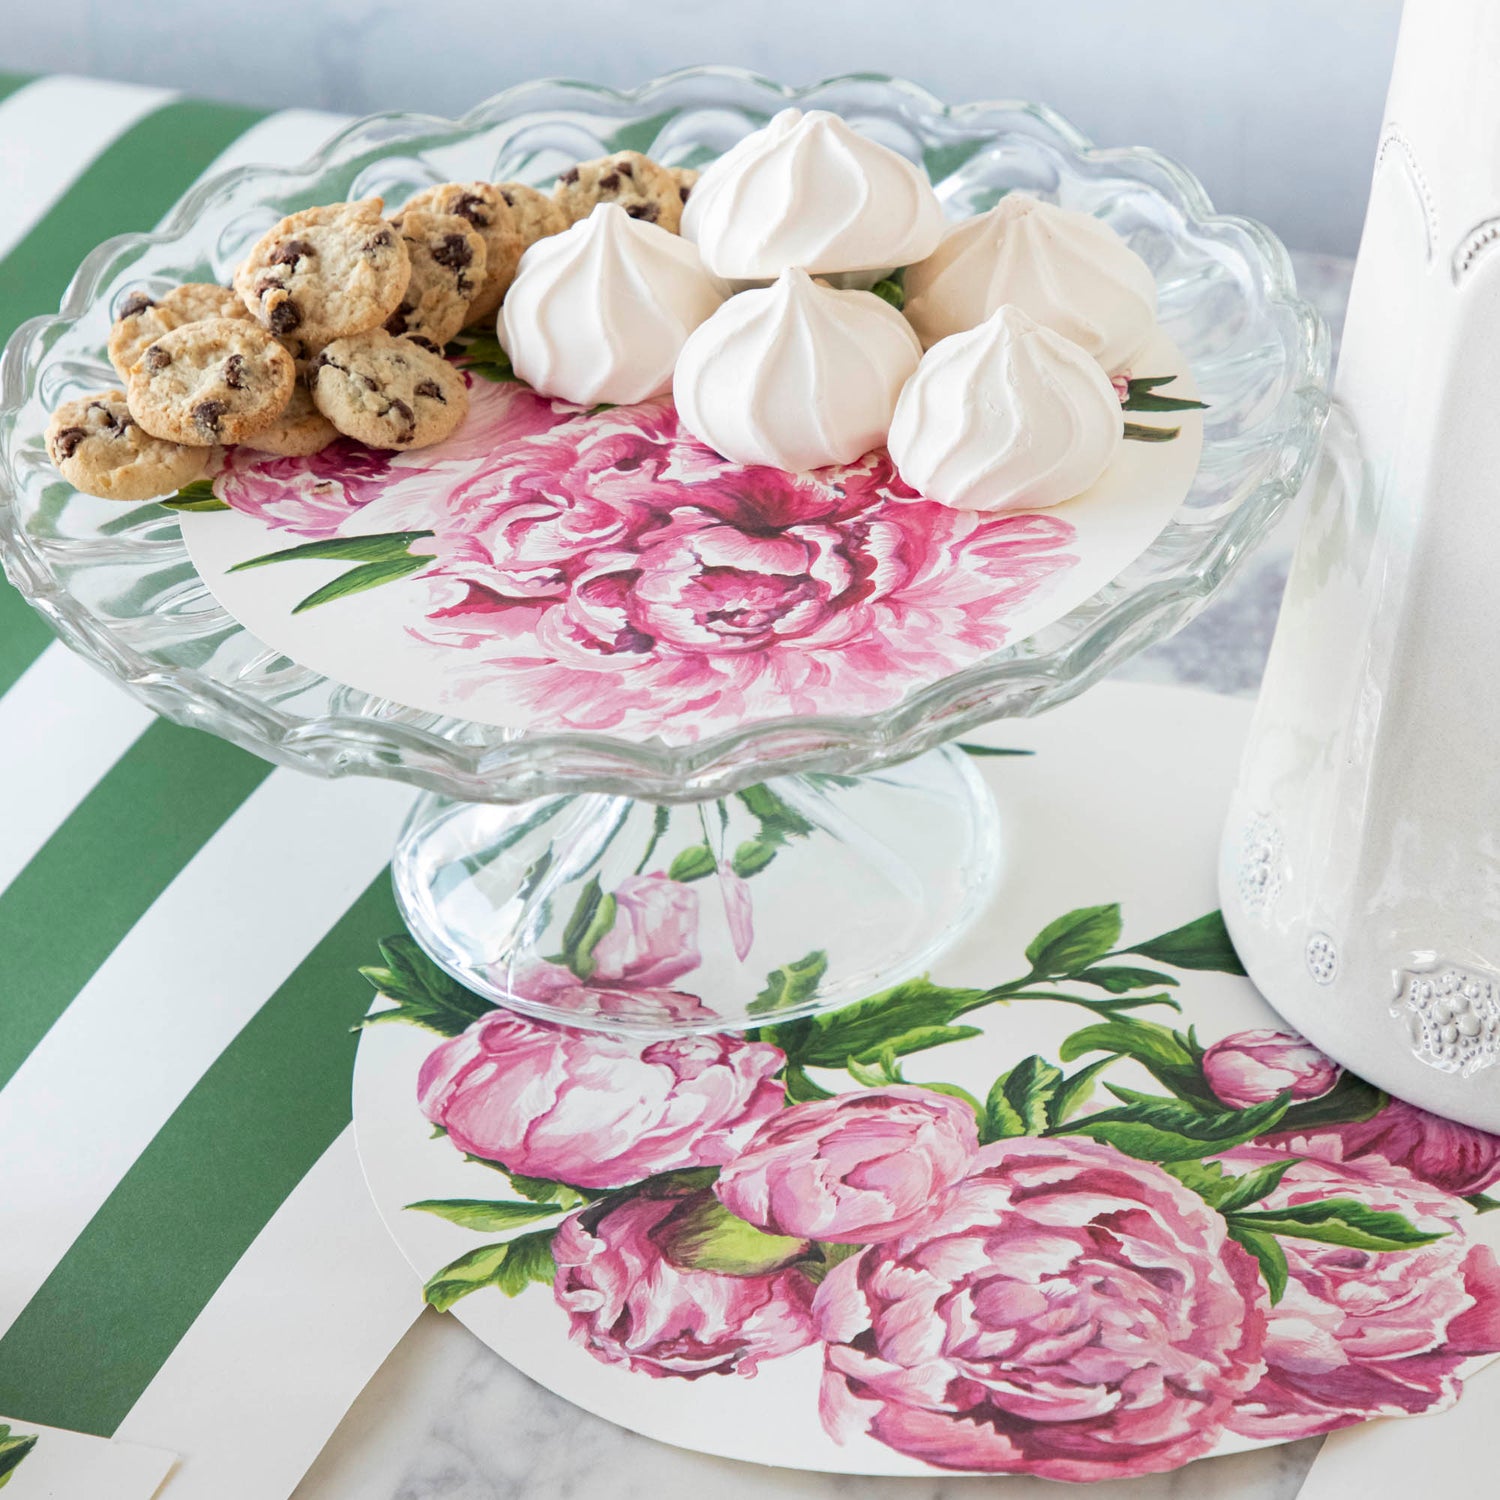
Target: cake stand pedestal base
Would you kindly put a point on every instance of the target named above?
(794, 896)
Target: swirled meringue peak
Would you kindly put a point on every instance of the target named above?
(795, 375)
(1007, 416)
(1068, 270)
(600, 312)
(808, 190)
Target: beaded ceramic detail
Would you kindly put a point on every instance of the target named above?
(1322, 956)
(1261, 871)
(1453, 1016)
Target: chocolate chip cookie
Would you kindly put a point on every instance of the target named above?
(639, 185)
(686, 179)
(325, 273)
(388, 392)
(102, 450)
(220, 380)
(484, 206)
(447, 270)
(142, 319)
(298, 430)
(537, 215)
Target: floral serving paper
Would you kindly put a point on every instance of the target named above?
(552, 568)
(1076, 1206)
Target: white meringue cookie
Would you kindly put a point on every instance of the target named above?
(796, 375)
(1008, 416)
(1068, 270)
(601, 311)
(810, 191)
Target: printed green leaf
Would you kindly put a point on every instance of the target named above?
(791, 985)
(752, 857)
(489, 1216)
(1337, 1221)
(1250, 1187)
(1140, 396)
(826, 1041)
(1163, 1130)
(1021, 1098)
(1206, 1178)
(530, 1260)
(1202, 944)
(1268, 1252)
(424, 994)
(1139, 432)
(878, 1073)
(824, 1258)
(198, 489)
(979, 751)
(918, 1039)
(700, 1234)
(591, 919)
(197, 496)
(510, 1266)
(1351, 1099)
(1076, 1089)
(1120, 980)
(482, 355)
(540, 1189)
(800, 1089)
(383, 546)
(1076, 941)
(779, 823)
(1481, 1203)
(1165, 1054)
(694, 863)
(13, 1448)
(889, 289)
(357, 580)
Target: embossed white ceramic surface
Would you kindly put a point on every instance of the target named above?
(1361, 862)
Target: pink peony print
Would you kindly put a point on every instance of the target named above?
(315, 496)
(868, 1165)
(628, 1304)
(1070, 1313)
(653, 943)
(1456, 1158)
(595, 1110)
(654, 939)
(1362, 1333)
(608, 566)
(616, 574)
(556, 986)
(1251, 1067)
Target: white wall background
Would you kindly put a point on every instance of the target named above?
(1274, 103)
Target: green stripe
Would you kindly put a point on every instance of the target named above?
(130, 185)
(10, 82)
(63, 915)
(115, 1307)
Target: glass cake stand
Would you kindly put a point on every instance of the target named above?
(761, 870)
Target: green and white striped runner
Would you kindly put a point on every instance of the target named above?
(188, 1259)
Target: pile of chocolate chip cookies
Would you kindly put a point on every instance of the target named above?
(335, 324)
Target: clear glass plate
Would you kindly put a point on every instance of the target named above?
(117, 585)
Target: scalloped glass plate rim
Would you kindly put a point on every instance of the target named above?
(1097, 635)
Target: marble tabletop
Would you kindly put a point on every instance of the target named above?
(447, 1419)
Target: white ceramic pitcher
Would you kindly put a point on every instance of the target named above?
(1360, 871)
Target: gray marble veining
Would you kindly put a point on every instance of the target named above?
(447, 1419)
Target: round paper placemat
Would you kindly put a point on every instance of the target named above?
(548, 568)
(1170, 1222)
